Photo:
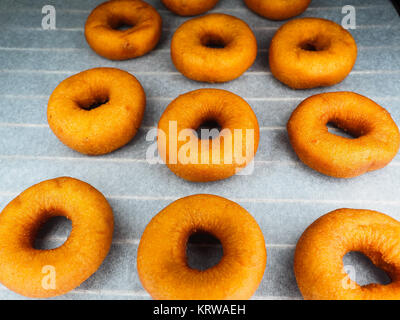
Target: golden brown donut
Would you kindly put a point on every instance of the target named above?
(23, 268)
(377, 135)
(213, 48)
(311, 52)
(278, 9)
(103, 36)
(77, 120)
(196, 159)
(161, 260)
(189, 8)
(318, 261)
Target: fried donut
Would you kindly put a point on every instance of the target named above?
(213, 48)
(96, 111)
(310, 52)
(376, 135)
(318, 261)
(23, 268)
(104, 37)
(189, 8)
(278, 9)
(205, 159)
(161, 260)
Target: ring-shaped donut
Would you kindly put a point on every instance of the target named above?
(97, 111)
(311, 52)
(189, 8)
(278, 9)
(104, 37)
(196, 159)
(162, 263)
(318, 262)
(213, 48)
(376, 135)
(23, 269)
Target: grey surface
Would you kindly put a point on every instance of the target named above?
(282, 194)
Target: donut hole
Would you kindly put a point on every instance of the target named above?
(213, 41)
(52, 233)
(123, 26)
(317, 44)
(342, 132)
(308, 46)
(94, 103)
(208, 129)
(348, 128)
(120, 24)
(203, 251)
(362, 270)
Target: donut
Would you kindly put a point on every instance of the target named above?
(96, 111)
(318, 261)
(23, 269)
(213, 48)
(376, 136)
(161, 260)
(198, 159)
(376, 141)
(189, 8)
(278, 9)
(103, 34)
(310, 52)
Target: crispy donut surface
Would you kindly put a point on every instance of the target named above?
(311, 52)
(318, 263)
(104, 37)
(278, 9)
(376, 135)
(102, 129)
(189, 8)
(162, 263)
(213, 48)
(23, 268)
(196, 159)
